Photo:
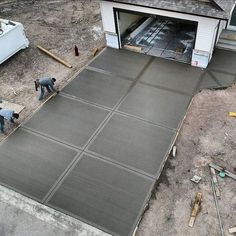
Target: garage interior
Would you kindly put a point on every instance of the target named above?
(157, 35)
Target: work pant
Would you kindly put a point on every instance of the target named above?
(1, 124)
(49, 89)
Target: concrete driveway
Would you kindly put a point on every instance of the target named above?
(96, 150)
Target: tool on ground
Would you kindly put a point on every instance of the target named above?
(215, 181)
(232, 230)
(219, 168)
(196, 179)
(217, 207)
(232, 114)
(54, 56)
(196, 209)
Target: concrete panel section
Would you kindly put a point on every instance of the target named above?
(98, 88)
(172, 75)
(134, 143)
(223, 79)
(208, 82)
(223, 60)
(31, 164)
(104, 195)
(68, 120)
(121, 62)
(156, 105)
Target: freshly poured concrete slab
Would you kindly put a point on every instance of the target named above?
(31, 164)
(156, 105)
(121, 62)
(224, 79)
(208, 82)
(223, 60)
(172, 75)
(67, 120)
(134, 143)
(103, 194)
(98, 87)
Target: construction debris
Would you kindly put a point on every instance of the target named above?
(232, 230)
(97, 50)
(196, 209)
(217, 207)
(215, 182)
(54, 57)
(219, 168)
(133, 48)
(196, 179)
(174, 151)
(232, 114)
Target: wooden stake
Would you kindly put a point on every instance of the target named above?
(215, 181)
(195, 209)
(54, 56)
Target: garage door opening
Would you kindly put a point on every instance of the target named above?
(156, 35)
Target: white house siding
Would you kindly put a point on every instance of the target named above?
(207, 27)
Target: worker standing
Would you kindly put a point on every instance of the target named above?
(9, 115)
(46, 82)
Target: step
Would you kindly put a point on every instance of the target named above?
(228, 35)
(226, 41)
(226, 47)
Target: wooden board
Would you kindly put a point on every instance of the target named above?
(13, 106)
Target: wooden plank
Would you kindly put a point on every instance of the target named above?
(215, 181)
(232, 114)
(195, 209)
(54, 56)
(13, 106)
(219, 168)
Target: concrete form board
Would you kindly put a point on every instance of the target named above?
(67, 120)
(168, 111)
(31, 164)
(98, 87)
(121, 62)
(172, 75)
(134, 143)
(104, 194)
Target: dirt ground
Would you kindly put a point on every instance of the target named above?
(208, 134)
(57, 25)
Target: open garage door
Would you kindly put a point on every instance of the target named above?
(157, 35)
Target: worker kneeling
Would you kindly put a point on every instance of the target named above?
(47, 83)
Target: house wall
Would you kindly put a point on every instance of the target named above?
(206, 30)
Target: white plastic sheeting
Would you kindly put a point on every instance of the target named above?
(12, 39)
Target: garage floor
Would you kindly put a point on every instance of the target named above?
(95, 150)
(166, 39)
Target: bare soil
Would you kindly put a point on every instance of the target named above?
(208, 134)
(57, 25)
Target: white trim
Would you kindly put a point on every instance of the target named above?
(231, 27)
